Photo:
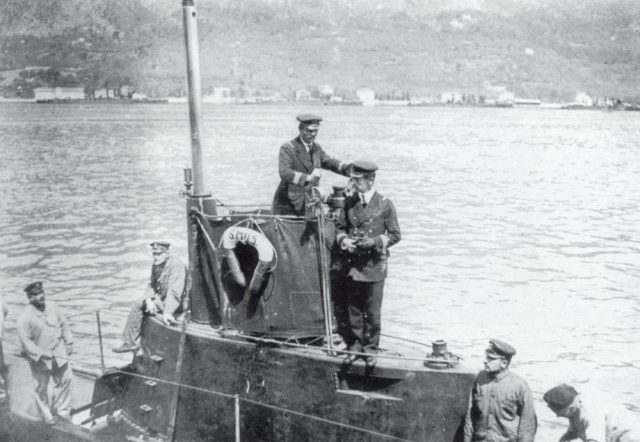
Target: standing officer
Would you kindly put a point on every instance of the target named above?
(367, 228)
(300, 165)
(46, 340)
(501, 406)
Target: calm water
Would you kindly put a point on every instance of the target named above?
(520, 224)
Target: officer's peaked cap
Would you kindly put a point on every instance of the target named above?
(34, 288)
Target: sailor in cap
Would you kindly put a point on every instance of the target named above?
(47, 342)
(501, 405)
(366, 229)
(589, 420)
(165, 295)
(300, 165)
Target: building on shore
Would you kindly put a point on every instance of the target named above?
(219, 95)
(505, 99)
(450, 98)
(582, 99)
(366, 96)
(59, 93)
(527, 101)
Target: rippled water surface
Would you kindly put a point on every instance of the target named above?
(521, 224)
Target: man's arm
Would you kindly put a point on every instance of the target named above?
(392, 227)
(332, 164)
(67, 336)
(285, 167)
(25, 333)
(342, 231)
(528, 421)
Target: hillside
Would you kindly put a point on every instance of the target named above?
(539, 48)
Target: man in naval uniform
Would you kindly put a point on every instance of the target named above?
(300, 164)
(365, 231)
(500, 405)
(166, 295)
(46, 341)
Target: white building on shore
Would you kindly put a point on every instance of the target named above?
(59, 93)
(366, 96)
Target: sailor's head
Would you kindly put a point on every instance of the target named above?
(362, 175)
(308, 125)
(160, 251)
(562, 400)
(35, 294)
(498, 356)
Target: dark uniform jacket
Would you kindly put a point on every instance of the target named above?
(295, 165)
(378, 221)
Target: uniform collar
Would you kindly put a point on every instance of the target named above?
(367, 195)
(501, 375)
(306, 146)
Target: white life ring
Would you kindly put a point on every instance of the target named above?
(234, 235)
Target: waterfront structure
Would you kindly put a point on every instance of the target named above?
(366, 96)
(59, 93)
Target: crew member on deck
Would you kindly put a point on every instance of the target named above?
(300, 164)
(500, 405)
(366, 229)
(46, 340)
(591, 420)
(166, 295)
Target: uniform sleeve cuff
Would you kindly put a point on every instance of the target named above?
(297, 176)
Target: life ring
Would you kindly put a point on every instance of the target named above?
(234, 235)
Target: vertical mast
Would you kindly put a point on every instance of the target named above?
(198, 198)
(195, 93)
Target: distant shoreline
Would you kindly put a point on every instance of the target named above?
(177, 100)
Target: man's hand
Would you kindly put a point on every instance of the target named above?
(349, 245)
(569, 435)
(314, 178)
(150, 307)
(365, 243)
(168, 319)
(69, 349)
(313, 181)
